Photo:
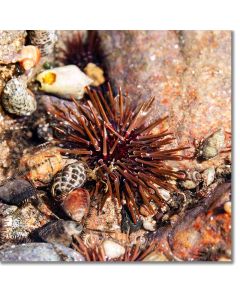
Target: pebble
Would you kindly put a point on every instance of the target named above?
(112, 249)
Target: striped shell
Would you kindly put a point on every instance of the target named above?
(18, 99)
(70, 178)
(43, 39)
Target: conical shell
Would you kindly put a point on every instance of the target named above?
(67, 82)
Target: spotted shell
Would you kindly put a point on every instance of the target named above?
(59, 232)
(76, 204)
(43, 39)
(18, 99)
(70, 178)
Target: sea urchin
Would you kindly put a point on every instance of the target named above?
(110, 134)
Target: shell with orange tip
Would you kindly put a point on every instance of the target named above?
(66, 82)
(29, 57)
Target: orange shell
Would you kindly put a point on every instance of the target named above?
(29, 57)
(76, 204)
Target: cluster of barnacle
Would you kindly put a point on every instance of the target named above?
(101, 151)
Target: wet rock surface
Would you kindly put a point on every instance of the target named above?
(39, 252)
(189, 73)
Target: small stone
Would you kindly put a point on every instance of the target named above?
(149, 224)
(228, 207)
(112, 249)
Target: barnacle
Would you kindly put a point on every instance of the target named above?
(110, 134)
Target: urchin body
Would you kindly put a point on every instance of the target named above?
(110, 134)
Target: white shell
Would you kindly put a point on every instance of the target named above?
(228, 207)
(149, 224)
(113, 249)
(209, 175)
(68, 81)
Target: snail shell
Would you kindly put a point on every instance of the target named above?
(76, 204)
(43, 39)
(41, 166)
(59, 232)
(68, 81)
(18, 99)
(29, 57)
(70, 178)
(213, 144)
(16, 192)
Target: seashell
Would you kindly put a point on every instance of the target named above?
(213, 144)
(149, 224)
(209, 176)
(112, 249)
(29, 57)
(43, 39)
(192, 181)
(39, 252)
(70, 178)
(42, 166)
(60, 232)
(95, 73)
(18, 99)
(228, 207)
(76, 204)
(67, 82)
(16, 191)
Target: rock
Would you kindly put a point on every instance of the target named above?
(39, 252)
(11, 42)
